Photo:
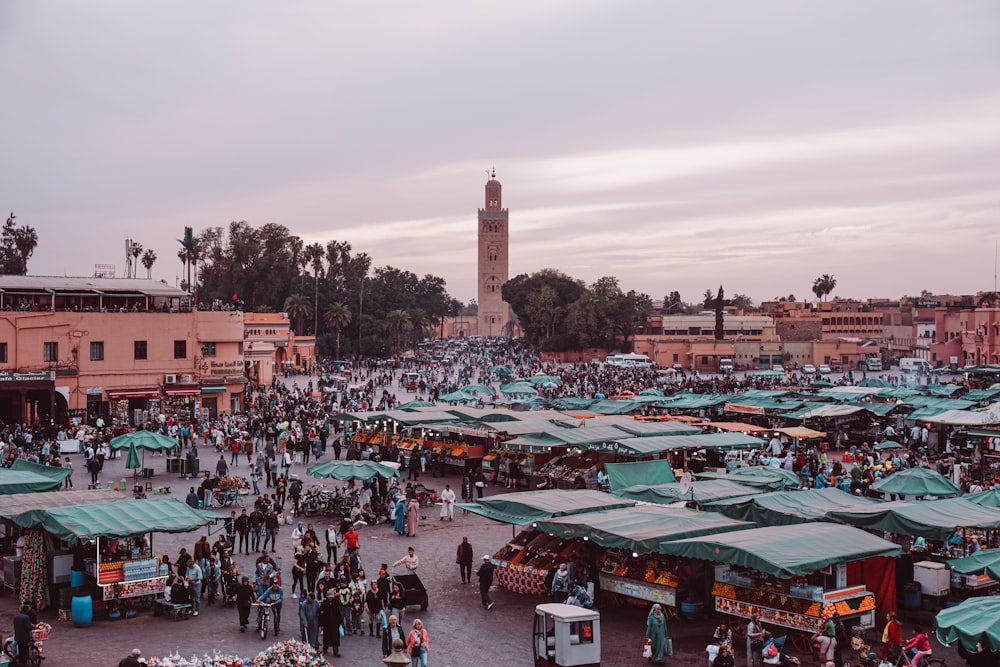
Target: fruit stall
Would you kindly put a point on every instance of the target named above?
(523, 563)
(651, 578)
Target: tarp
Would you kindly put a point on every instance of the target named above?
(830, 411)
(639, 529)
(930, 519)
(703, 491)
(801, 432)
(81, 523)
(519, 389)
(609, 407)
(656, 444)
(143, 440)
(772, 478)
(693, 401)
(984, 561)
(15, 504)
(917, 482)
(345, 470)
(530, 506)
(785, 551)
(989, 498)
(653, 428)
(21, 481)
(52, 472)
(975, 624)
(965, 417)
(980, 394)
(943, 389)
(622, 475)
(460, 396)
(938, 402)
(880, 409)
(791, 507)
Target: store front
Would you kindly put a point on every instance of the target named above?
(27, 398)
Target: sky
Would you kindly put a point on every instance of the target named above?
(674, 145)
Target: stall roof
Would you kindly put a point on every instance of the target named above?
(622, 475)
(829, 411)
(981, 394)
(921, 414)
(650, 428)
(772, 478)
(880, 409)
(917, 482)
(693, 401)
(530, 506)
(897, 392)
(702, 491)
(801, 432)
(785, 551)
(791, 507)
(81, 523)
(937, 402)
(639, 529)
(965, 417)
(984, 561)
(736, 427)
(943, 389)
(609, 407)
(988, 498)
(648, 446)
(930, 519)
(27, 477)
(15, 504)
(412, 418)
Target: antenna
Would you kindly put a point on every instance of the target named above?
(994, 266)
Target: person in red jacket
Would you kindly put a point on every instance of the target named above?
(416, 644)
(921, 644)
(894, 637)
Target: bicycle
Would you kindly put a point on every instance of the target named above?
(226, 498)
(38, 635)
(905, 659)
(263, 616)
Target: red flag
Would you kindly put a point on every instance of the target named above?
(234, 296)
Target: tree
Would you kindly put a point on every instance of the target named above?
(396, 322)
(988, 299)
(25, 240)
(187, 253)
(743, 303)
(672, 303)
(148, 259)
(336, 317)
(314, 253)
(298, 308)
(720, 326)
(709, 299)
(135, 250)
(16, 246)
(824, 285)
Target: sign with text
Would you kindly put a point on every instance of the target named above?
(37, 376)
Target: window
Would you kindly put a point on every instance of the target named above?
(208, 349)
(140, 349)
(97, 350)
(180, 349)
(3, 353)
(50, 352)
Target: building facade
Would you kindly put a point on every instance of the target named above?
(125, 349)
(272, 348)
(493, 317)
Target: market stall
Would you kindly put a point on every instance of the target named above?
(759, 476)
(930, 519)
(27, 477)
(917, 483)
(783, 508)
(154, 442)
(700, 492)
(795, 575)
(978, 572)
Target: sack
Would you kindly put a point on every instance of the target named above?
(480, 485)
(772, 649)
(670, 647)
(647, 649)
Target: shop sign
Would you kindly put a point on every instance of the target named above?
(37, 376)
(95, 391)
(745, 409)
(225, 367)
(665, 595)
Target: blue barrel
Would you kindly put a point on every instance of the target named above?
(911, 596)
(75, 578)
(83, 611)
(692, 610)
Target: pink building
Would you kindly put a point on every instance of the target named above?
(969, 336)
(273, 348)
(122, 348)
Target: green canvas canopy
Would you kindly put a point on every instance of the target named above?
(930, 519)
(460, 396)
(980, 394)
(345, 470)
(55, 473)
(347, 417)
(654, 428)
(639, 529)
(519, 388)
(984, 561)
(15, 504)
(143, 440)
(785, 551)
(791, 507)
(917, 482)
(975, 624)
(693, 401)
(530, 506)
(639, 447)
(609, 407)
(23, 481)
(772, 478)
(943, 389)
(621, 475)
(81, 523)
(989, 498)
(702, 491)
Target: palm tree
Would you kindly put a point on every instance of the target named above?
(136, 251)
(25, 240)
(188, 253)
(298, 308)
(314, 253)
(337, 317)
(397, 322)
(419, 320)
(824, 285)
(148, 259)
(988, 299)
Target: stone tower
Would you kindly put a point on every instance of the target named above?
(494, 313)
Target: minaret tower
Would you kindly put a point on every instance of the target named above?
(494, 313)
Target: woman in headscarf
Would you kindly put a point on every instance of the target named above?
(412, 517)
(656, 633)
(400, 524)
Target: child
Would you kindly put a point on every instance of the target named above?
(358, 612)
(344, 597)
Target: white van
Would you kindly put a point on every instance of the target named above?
(725, 366)
(629, 360)
(914, 366)
(873, 363)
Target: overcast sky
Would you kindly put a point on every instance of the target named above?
(676, 145)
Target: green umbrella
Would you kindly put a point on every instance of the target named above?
(415, 404)
(458, 397)
(888, 444)
(545, 380)
(522, 388)
(143, 440)
(975, 624)
(501, 370)
(479, 389)
(132, 458)
(345, 470)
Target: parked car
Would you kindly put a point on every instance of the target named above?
(808, 369)
(824, 369)
(778, 367)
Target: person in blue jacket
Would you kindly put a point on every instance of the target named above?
(275, 596)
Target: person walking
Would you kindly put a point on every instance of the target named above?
(463, 557)
(412, 517)
(400, 521)
(447, 503)
(221, 468)
(274, 596)
(271, 529)
(242, 527)
(375, 606)
(416, 644)
(391, 634)
(332, 539)
(330, 621)
(68, 482)
(485, 574)
(256, 528)
(309, 617)
(244, 600)
(656, 633)
(755, 641)
(194, 577)
(22, 634)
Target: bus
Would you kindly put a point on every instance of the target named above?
(629, 360)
